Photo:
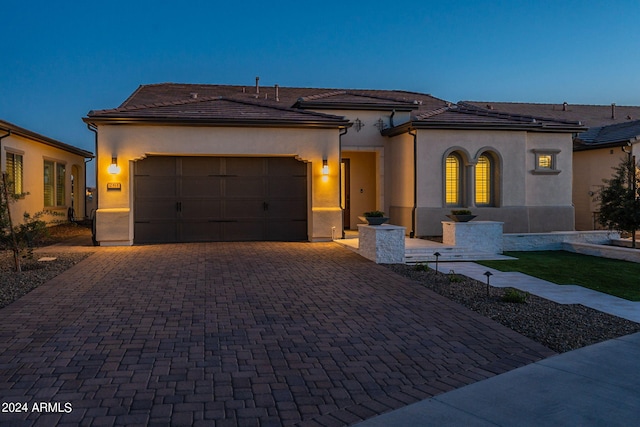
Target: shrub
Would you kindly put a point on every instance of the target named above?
(374, 214)
(421, 266)
(515, 296)
(461, 212)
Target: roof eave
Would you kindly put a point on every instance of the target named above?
(585, 146)
(25, 133)
(530, 127)
(218, 122)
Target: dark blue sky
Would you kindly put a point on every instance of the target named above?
(62, 59)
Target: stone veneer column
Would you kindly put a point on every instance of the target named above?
(481, 236)
(383, 244)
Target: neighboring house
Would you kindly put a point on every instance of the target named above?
(596, 154)
(44, 174)
(188, 162)
(611, 137)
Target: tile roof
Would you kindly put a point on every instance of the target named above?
(25, 133)
(588, 115)
(608, 136)
(204, 102)
(212, 109)
(470, 117)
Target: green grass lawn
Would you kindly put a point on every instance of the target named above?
(619, 278)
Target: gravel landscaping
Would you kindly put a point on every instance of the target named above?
(560, 327)
(33, 274)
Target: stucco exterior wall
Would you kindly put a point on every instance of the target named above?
(525, 202)
(133, 142)
(549, 189)
(400, 180)
(34, 154)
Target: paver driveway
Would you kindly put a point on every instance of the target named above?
(239, 334)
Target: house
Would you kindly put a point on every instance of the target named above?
(190, 162)
(611, 137)
(44, 174)
(596, 153)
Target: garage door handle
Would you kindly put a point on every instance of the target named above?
(179, 206)
(265, 206)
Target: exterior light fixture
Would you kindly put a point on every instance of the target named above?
(437, 255)
(325, 167)
(488, 274)
(113, 168)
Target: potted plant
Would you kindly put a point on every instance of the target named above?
(461, 215)
(374, 218)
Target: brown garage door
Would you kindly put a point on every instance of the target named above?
(189, 199)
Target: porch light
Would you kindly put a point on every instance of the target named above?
(113, 168)
(325, 167)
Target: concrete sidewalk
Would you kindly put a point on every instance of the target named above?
(594, 386)
(563, 294)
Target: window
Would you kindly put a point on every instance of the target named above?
(54, 184)
(15, 172)
(545, 161)
(453, 176)
(484, 181)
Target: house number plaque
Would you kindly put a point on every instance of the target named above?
(114, 186)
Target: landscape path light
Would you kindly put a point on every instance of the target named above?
(436, 254)
(488, 274)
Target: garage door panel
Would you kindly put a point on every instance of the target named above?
(219, 199)
(287, 186)
(155, 232)
(291, 209)
(201, 166)
(155, 186)
(244, 187)
(201, 231)
(243, 208)
(203, 209)
(156, 209)
(157, 166)
(244, 166)
(204, 186)
(243, 230)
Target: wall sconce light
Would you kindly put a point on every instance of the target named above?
(113, 168)
(325, 167)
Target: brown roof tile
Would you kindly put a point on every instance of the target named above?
(588, 115)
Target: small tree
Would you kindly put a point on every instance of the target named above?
(620, 200)
(7, 233)
(22, 236)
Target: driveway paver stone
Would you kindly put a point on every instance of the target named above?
(257, 333)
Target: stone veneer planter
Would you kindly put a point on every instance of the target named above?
(481, 236)
(383, 244)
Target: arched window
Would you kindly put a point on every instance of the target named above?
(484, 181)
(453, 182)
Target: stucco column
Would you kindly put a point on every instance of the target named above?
(470, 190)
